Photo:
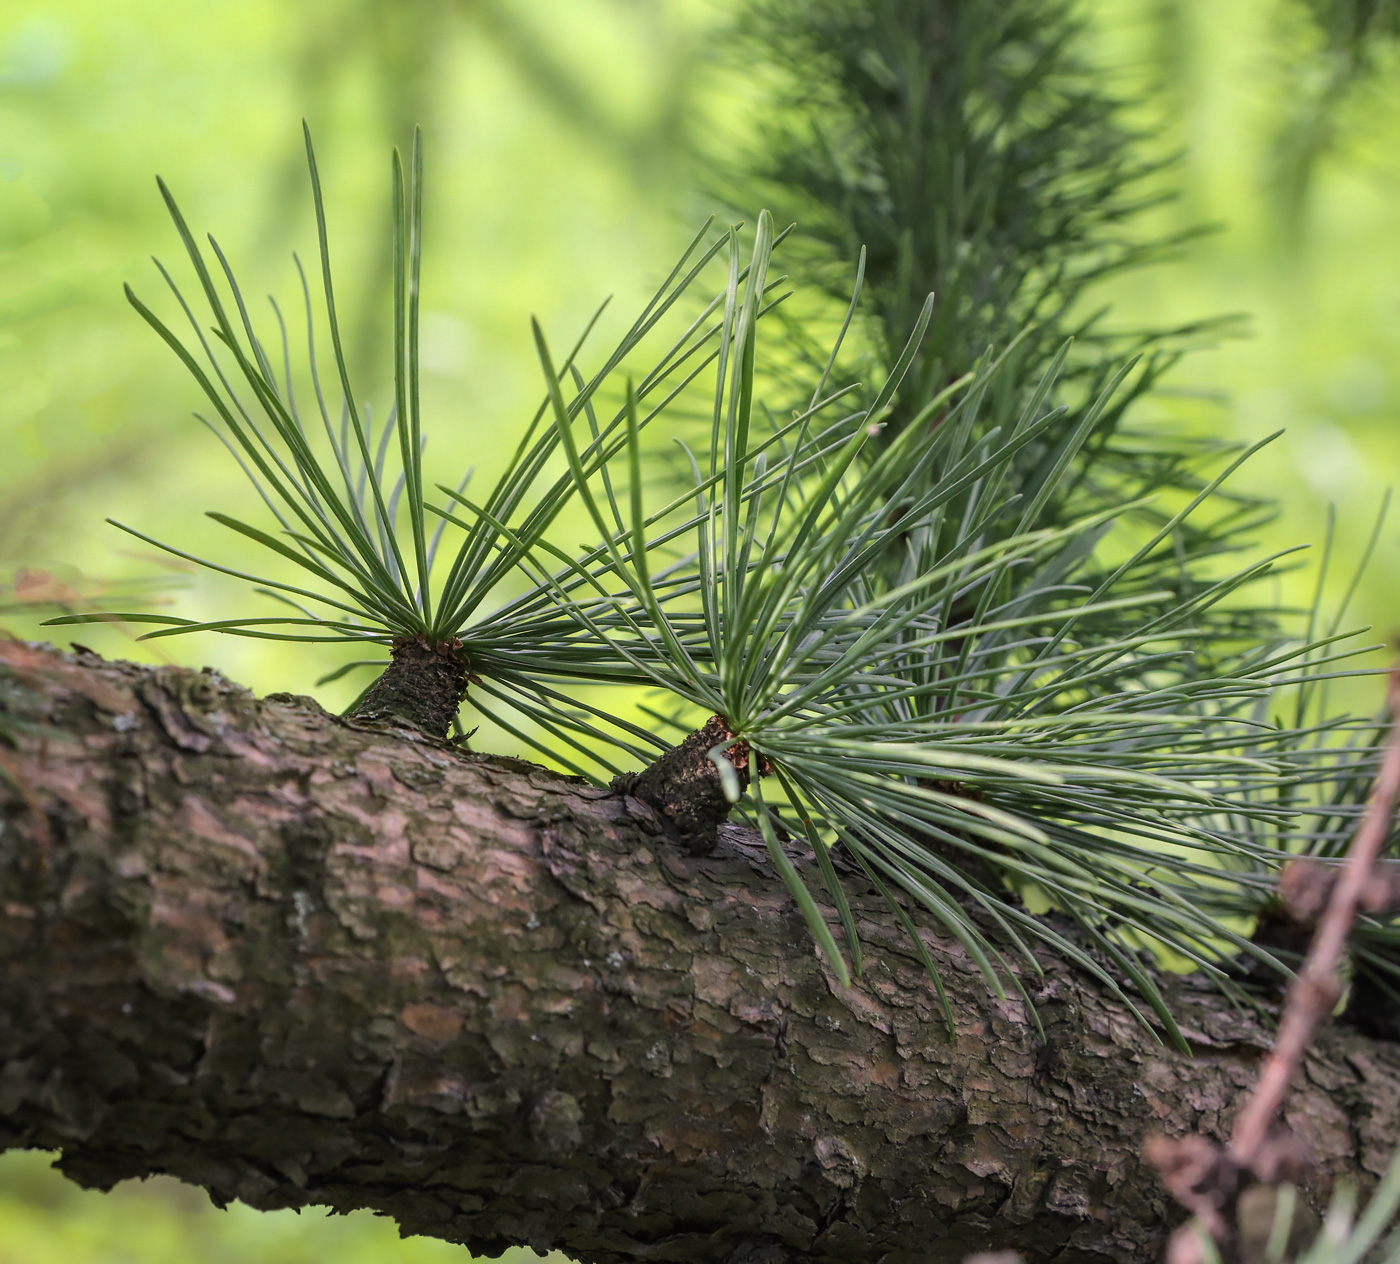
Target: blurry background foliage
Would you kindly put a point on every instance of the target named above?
(563, 162)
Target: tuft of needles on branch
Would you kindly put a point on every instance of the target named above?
(904, 626)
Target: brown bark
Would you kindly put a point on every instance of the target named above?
(422, 687)
(294, 961)
(684, 786)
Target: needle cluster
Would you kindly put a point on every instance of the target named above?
(990, 687)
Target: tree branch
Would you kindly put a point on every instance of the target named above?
(295, 961)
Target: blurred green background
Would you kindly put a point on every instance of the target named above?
(565, 145)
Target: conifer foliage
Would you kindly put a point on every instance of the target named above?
(927, 610)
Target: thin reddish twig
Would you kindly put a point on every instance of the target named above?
(1318, 986)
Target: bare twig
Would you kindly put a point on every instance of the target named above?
(1318, 986)
(1305, 888)
(1212, 1182)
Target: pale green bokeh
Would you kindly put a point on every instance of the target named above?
(1318, 282)
(555, 141)
(45, 1219)
(553, 181)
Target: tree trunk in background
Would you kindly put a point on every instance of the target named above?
(294, 961)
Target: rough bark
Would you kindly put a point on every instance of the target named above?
(421, 688)
(293, 961)
(684, 785)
